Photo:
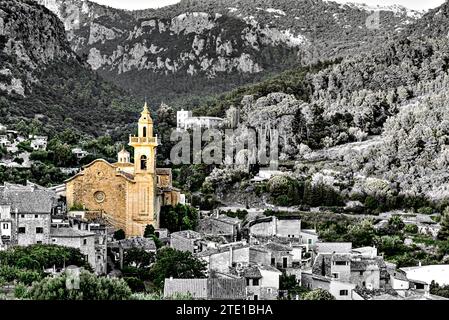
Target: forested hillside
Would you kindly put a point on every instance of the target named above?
(394, 95)
(41, 78)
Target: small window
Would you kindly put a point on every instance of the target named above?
(273, 261)
(54, 240)
(361, 273)
(255, 282)
(39, 242)
(21, 229)
(143, 163)
(335, 275)
(5, 226)
(22, 216)
(145, 131)
(344, 292)
(39, 230)
(340, 263)
(36, 216)
(309, 241)
(84, 241)
(247, 282)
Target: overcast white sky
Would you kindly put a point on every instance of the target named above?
(145, 4)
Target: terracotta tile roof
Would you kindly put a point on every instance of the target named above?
(206, 253)
(163, 171)
(196, 287)
(277, 247)
(364, 264)
(127, 175)
(226, 289)
(210, 289)
(337, 247)
(340, 257)
(135, 242)
(28, 199)
(252, 272)
(399, 275)
(269, 268)
(188, 234)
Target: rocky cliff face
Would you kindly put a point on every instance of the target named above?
(201, 46)
(42, 78)
(30, 39)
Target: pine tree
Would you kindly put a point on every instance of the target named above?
(444, 231)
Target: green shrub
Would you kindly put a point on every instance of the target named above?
(411, 228)
(135, 284)
(425, 210)
(91, 287)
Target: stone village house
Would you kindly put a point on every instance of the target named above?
(25, 214)
(26, 219)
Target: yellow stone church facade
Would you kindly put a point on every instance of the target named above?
(129, 195)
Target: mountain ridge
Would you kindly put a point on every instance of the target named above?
(198, 47)
(42, 78)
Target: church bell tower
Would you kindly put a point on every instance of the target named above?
(144, 145)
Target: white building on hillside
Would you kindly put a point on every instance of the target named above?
(427, 274)
(80, 153)
(186, 121)
(38, 142)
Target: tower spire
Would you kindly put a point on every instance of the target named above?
(146, 115)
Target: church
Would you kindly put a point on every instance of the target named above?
(128, 195)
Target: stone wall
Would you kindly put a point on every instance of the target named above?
(366, 278)
(284, 228)
(259, 257)
(183, 244)
(288, 228)
(218, 227)
(279, 256)
(344, 272)
(86, 245)
(96, 179)
(30, 223)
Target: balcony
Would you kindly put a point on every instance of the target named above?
(143, 140)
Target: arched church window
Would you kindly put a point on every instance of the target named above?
(143, 163)
(144, 132)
